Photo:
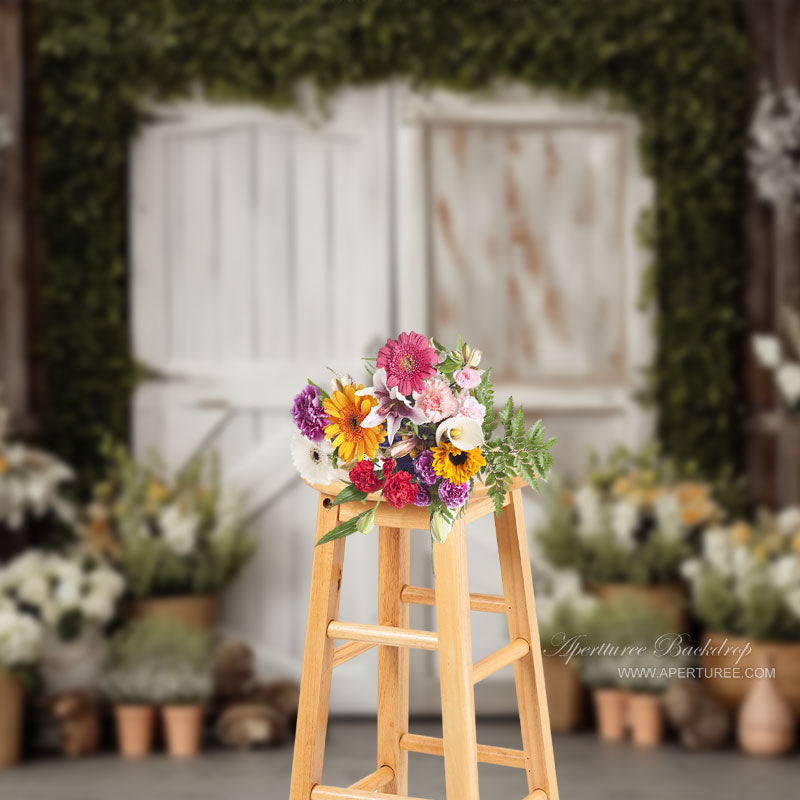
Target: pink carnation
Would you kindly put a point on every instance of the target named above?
(468, 378)
(468, 406)
(437, 400)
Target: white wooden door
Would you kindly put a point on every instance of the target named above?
(517, 218)
(260, 253)
(265, 246)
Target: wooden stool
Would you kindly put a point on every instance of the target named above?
(453, 640)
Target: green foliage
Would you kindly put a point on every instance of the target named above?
(517, 453)
(680, 65)
(180, 537)
(158, 661)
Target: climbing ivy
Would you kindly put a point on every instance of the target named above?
(679, 64)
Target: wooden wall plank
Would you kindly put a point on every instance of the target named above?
(772, 274)
(13, 355)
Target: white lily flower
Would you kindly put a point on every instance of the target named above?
(463, 432)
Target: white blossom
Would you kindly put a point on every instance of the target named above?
(179, 529)
(788, 520)
(624, 520)
(590, 512)
(20, 637)
(767, 350)
(312, 459)
(787, 376)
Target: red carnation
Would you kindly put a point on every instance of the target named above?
(388, 467)
(364, 478)
(399, 489)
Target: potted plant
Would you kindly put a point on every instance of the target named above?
(128, 682)
(626, 670)
(628, 529)
(75, 595)
(178, 542)
(563, 610)
(20, 643)
(158, 662)
(745, 590)
(185, 687)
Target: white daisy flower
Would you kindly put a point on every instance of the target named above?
(312, 459)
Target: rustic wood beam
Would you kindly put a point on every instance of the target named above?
(13, 336)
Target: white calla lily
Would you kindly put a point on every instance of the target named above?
(462, 432)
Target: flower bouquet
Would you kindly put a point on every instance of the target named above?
(421, 434)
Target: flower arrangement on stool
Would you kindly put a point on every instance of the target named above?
(421, 434)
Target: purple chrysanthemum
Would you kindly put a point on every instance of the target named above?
(423, 498)
(309, 415)
(423, 466)
(454, 495)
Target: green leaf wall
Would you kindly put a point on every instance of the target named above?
(680, 64)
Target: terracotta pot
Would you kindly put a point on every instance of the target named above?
(12, 702)
(730, 690)
(766, 725)
(194, 610)
(611, 708)
(668, 599)
(646, 719)
(183, 726)
(565, 694)
(135, 724)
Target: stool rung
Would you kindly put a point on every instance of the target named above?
(477, 602)
(332, 793)
(487, 754)
(375, 781)
(344, 652)
(537, 794)
(512, 652)
(383, 634)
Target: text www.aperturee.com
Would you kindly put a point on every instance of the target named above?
(668, 673)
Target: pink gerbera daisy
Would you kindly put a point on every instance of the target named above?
(408, 361)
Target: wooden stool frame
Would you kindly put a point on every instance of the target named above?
(452, 640)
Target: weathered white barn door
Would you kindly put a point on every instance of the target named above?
(260, 251)
(265, 246)
(517, 218)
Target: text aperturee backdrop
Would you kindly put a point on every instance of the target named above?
(679, 64)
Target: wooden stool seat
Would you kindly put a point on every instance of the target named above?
(393, 638)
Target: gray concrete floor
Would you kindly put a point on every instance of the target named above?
(587, 770)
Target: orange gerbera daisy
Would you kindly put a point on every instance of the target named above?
(346, 412)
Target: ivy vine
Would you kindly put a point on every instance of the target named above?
(679, 64)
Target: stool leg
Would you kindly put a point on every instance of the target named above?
(512, 544)
(315, 685)
(455, 666)
(393, 574)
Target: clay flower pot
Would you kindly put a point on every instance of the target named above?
(183, 727)
(611, 708)
(12, 700)
(646, 719)
(667, 599)
(194, 610)
(766, 725)
(135, 724)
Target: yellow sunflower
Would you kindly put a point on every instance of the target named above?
(346, 412)
(457, 466)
